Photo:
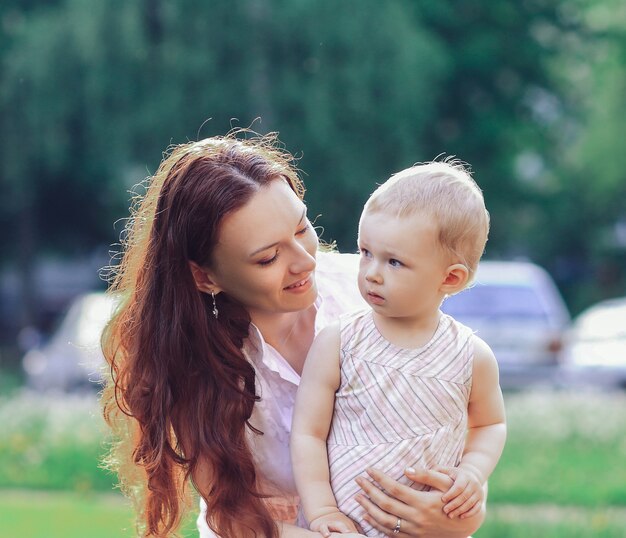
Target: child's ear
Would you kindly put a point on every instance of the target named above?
(203, 278)
(456, 279)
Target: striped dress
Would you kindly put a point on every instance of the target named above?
(397, 407)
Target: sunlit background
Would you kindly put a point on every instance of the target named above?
(531, 93)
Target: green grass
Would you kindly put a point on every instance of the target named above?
(552, 521)
(30, 514)
(52, 442)
(582, 473)
(564, 449)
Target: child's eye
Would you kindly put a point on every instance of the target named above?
(269, 261)
(395, 263)
(364, 252)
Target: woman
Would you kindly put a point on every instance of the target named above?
(222, 291)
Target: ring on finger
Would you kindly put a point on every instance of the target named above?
(396, 529)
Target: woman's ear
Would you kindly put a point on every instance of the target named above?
(456, 279)
(204, 280)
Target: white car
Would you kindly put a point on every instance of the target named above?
(595, 346)
(517, 309)
(72, 358)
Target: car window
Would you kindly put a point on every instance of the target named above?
(495, 300)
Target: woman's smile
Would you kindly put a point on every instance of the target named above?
(301, 286)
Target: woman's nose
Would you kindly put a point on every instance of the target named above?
(303, 261)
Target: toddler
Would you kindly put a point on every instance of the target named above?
(401, 384)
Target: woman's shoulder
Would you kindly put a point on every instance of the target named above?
(337, 263)
(336, 276)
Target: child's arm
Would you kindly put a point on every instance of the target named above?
(485, 438)
(311, 422)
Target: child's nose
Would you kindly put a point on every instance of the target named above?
(373, 274)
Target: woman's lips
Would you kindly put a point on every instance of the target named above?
(300, 286)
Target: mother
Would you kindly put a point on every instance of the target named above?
(222, 289)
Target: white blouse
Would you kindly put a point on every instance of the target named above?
(277, 381)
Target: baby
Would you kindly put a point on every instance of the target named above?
(401, 384)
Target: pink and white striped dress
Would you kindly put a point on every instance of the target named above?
(397, 407)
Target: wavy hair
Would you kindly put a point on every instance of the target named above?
(180, 390)
(447, 193)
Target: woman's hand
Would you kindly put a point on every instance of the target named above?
(420, 513)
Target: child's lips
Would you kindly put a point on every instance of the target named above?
(375, 298)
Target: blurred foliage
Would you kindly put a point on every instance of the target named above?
(555, 443)
(529, 92)
(541, 487)
(551, 437)
(52, 442)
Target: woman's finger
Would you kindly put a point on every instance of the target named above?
(452, 472)
(434, 479)
(376, 517)
(397, 491)
(378, 504)
(381, 520)
(385, 525)
(386, 531)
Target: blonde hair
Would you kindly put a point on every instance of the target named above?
(445, 191)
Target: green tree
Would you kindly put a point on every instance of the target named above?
(587, 214)
(92, 92)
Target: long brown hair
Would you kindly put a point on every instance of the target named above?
(180, 391)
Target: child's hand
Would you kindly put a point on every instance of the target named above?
(466, 495)
(333, 522)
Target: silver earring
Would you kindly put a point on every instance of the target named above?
(215, 312)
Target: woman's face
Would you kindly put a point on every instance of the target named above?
(265, 256)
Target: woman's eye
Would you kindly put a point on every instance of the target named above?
(395, 263)
(269, 261)
(303, 230)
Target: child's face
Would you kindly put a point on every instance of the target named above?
(403, 266)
